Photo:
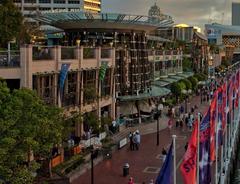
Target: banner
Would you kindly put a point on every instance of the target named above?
(204, 150)
(213, 119)
(62, 76)
(188, 166)
(166, 173)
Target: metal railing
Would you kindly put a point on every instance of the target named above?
(42, 53)
(159, 52)
(163, 72)
(68, 53)
(105, 53)
(89, 53)
(9, 59)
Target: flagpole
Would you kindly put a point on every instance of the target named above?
(174, 160)
(216, 151)
(198, 141)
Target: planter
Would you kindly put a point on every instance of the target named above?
(57, 160)
(76, 149)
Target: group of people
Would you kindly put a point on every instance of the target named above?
(135, 140)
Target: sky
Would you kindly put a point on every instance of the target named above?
(192, 12)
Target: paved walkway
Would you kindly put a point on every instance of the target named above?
(145, 163)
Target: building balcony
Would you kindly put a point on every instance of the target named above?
(41, 59)
(161, 55)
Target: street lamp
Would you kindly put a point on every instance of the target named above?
(94, 154)
(156, 117)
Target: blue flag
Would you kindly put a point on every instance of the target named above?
(62, 76)
(166, 175)
(204, 150)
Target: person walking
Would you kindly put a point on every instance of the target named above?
(164, 154)
(130, 181)
(131, 141)
(170, 123)
(137, 139)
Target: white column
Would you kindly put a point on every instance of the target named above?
(174, 160)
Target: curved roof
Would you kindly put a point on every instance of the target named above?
(83, 20)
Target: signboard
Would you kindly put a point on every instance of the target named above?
(122, 143)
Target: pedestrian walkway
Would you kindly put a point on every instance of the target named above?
(145, 163)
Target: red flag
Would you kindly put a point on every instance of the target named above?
(224, 106)
(213, 118)
(188, 166)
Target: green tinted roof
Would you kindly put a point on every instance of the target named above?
(154, 92)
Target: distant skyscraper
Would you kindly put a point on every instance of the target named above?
(30, 7)
(235, 14)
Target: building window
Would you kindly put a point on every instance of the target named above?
(44, 9)
(106, 84)
(70, 90)
(59, 1)
(17, 1)
(30, 8)
(44, 85)
(73, 2)
(44, 1)
(89, 86)
(30, 1)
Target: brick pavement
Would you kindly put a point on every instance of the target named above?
(145, 163)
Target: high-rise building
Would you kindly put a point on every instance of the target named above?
(235, 14)
(29, 8)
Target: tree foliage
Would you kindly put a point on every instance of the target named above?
(26, 125)
(187, 64)
(194, 82)
(11, 21)
(187, 83)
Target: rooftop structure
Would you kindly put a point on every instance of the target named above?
(30, 8)
(236, 14)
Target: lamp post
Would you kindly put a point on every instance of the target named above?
(156, 117)
(94, 154)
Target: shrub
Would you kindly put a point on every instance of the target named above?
(187, 83)
(194, 82)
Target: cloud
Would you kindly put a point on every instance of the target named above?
(193, 12)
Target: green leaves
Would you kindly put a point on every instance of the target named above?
(11, 21)
(26, 125)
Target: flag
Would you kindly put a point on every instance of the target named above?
(224, 106)
(204, 150)
(220, 115)
(213, 119)
(62, 76)
(188, 166)
(102, 70)
(166, 173)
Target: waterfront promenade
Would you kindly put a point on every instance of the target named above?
(145, 163)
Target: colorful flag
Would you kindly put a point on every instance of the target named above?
(62, 76)
(204, 150)
(220, 115)
(224, 106)
(213, 119)
(188, 166)
(166, 173)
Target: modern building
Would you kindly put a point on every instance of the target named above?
(30, 8)
(183, 32)
(227, 36)
(236, 14)
(90, 41)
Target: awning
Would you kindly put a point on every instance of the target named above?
(144, 106)
(169, 80)
(154, 92)
(186, 74)
(128, 108)
(177, 77)
(160, 83)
